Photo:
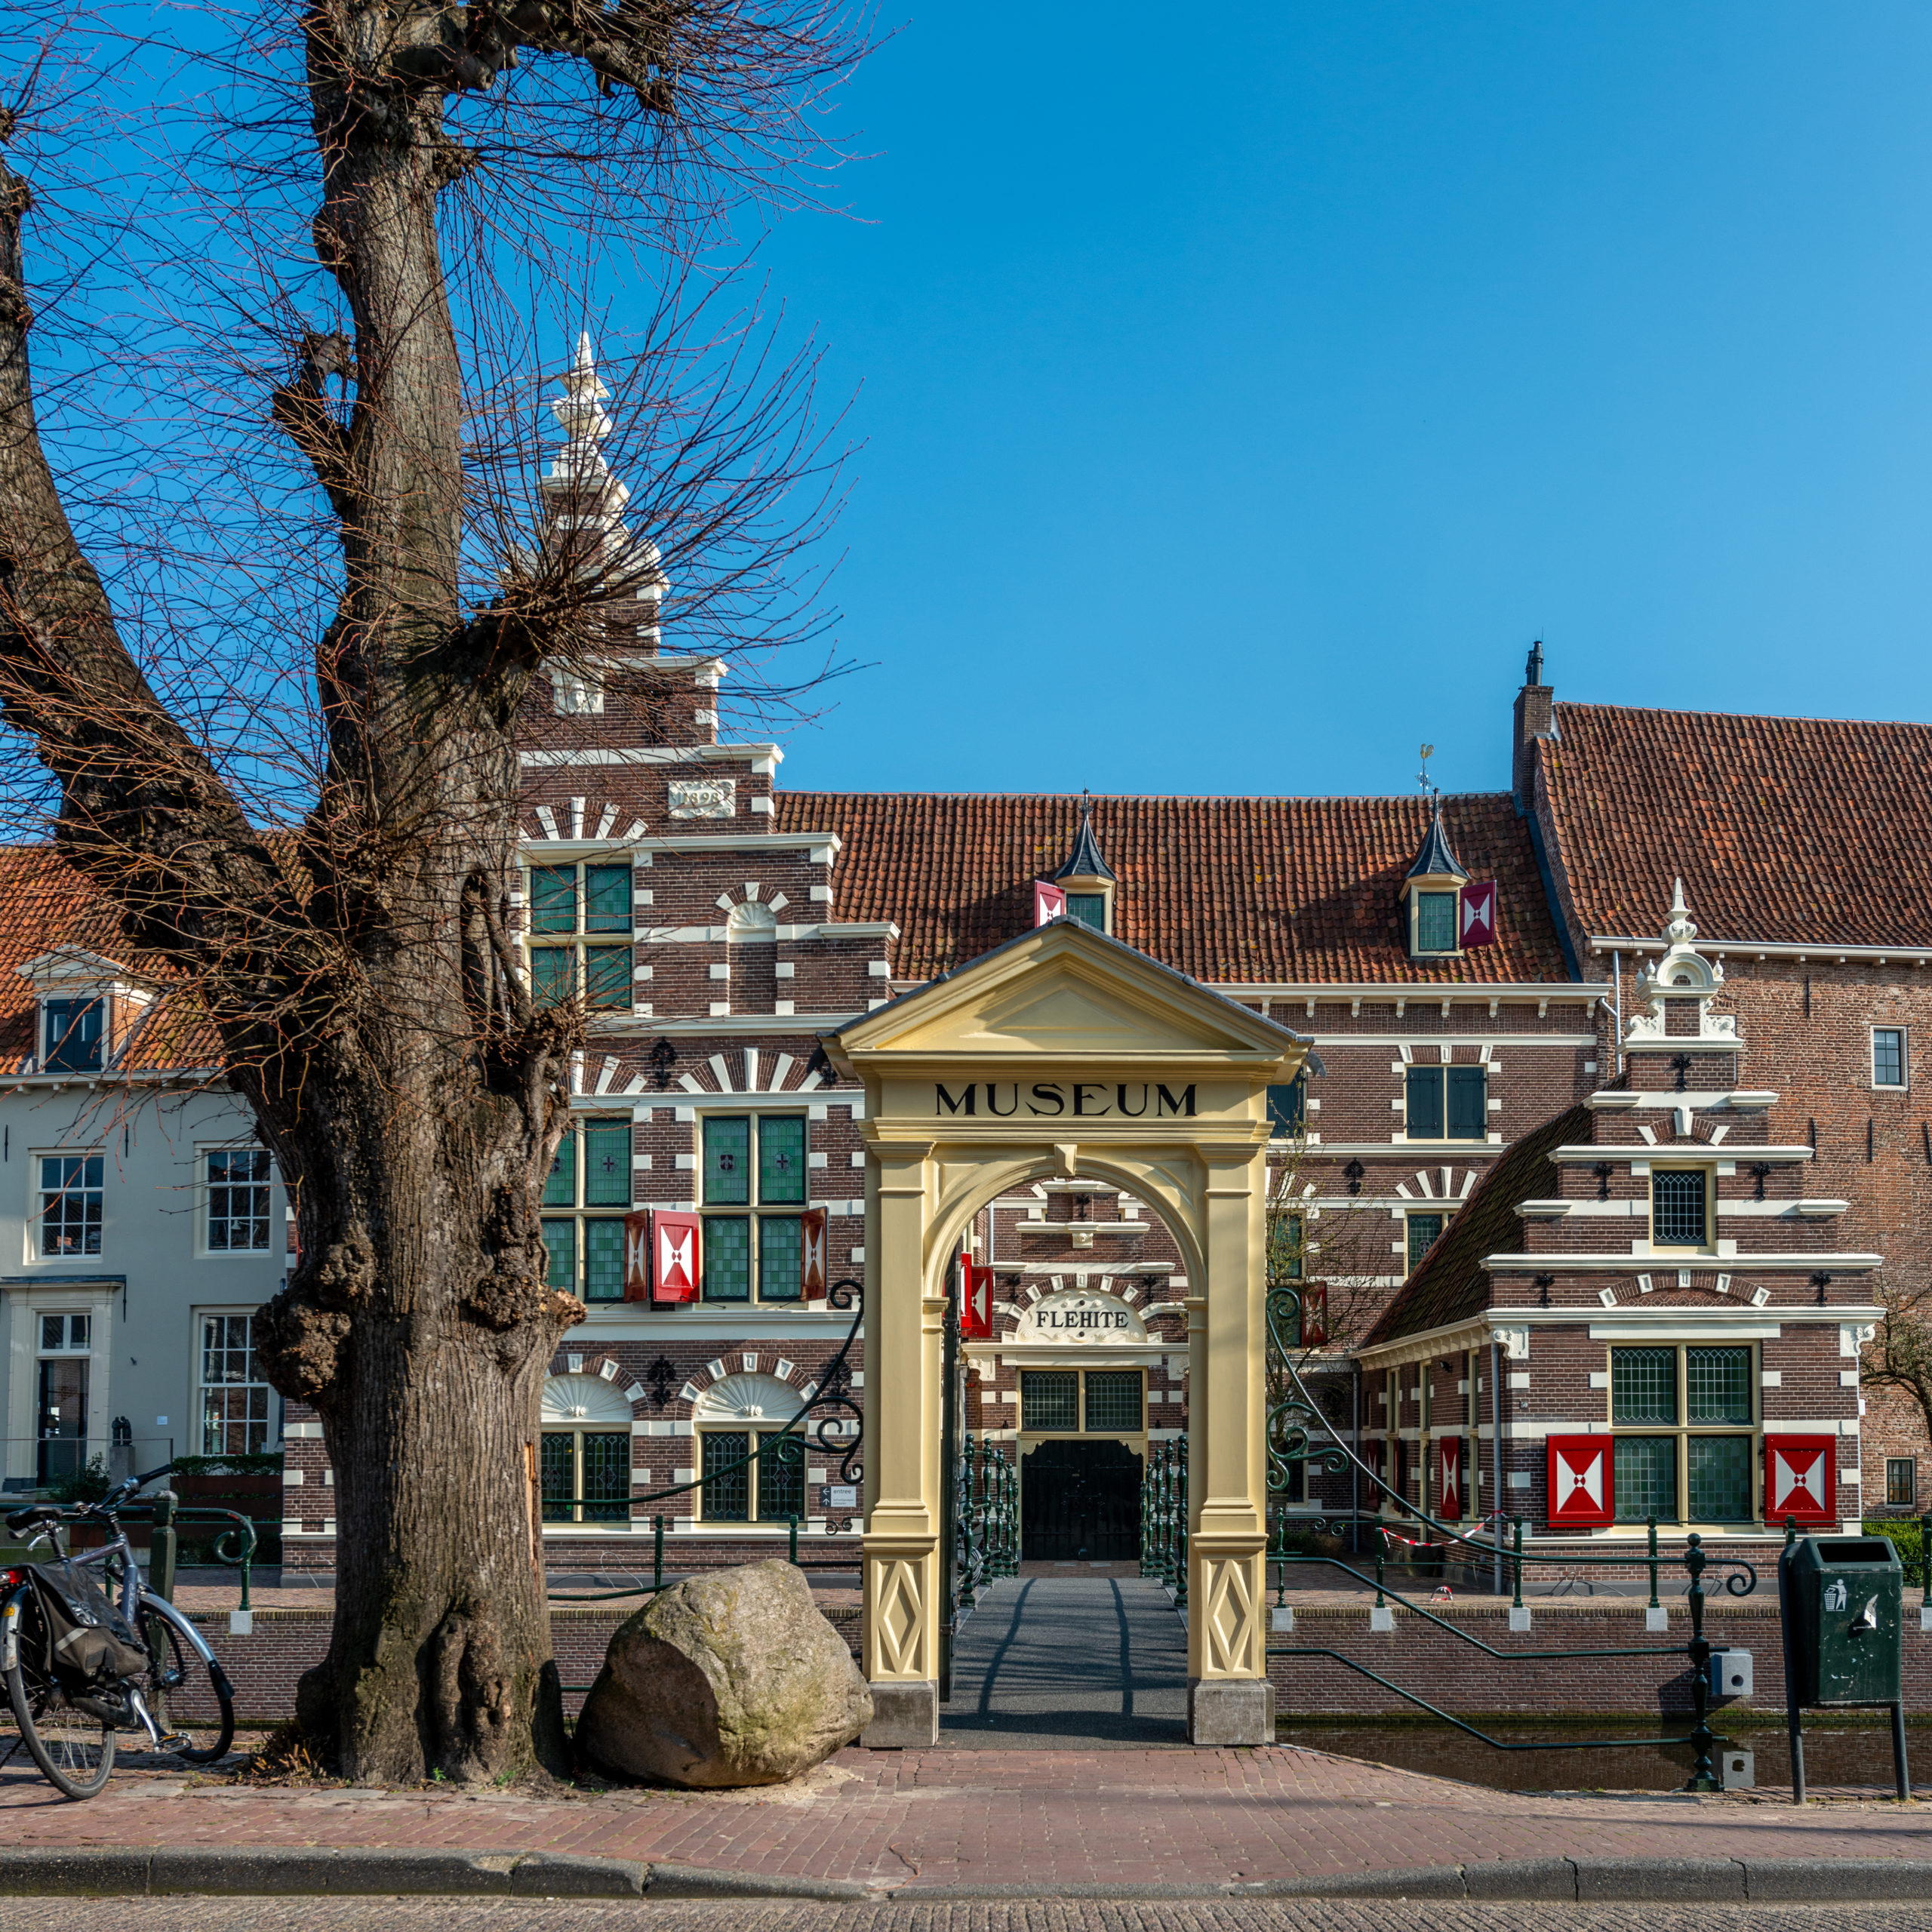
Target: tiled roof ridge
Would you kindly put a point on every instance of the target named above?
(1741, 717)
(1177, 798)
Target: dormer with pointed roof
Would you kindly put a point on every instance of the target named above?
(1088, 878)
(1431, 891)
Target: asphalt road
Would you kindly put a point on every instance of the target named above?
(424, 1914)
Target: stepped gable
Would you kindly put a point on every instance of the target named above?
(1450, 1284)
(1229, 890)
(1792, 830)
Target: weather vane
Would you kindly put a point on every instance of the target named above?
(1429, 791)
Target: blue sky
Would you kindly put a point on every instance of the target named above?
(1242, 393)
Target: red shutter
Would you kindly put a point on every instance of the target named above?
(976, 1302)
(1800, 1479)
(1314, 1315)
(637, 1256)
(676, 1258)
(1581, 1496)
(811, 1253)
(1450, 1447)
(1049, 901)
(1476, 923)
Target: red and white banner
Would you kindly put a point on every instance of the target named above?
(1449, 1449)
(1049, 901)
(1476, 921)
(637, 1256)
(1800, 1479)
(1581, 1496)
(675, 1258)
(811, 1253)
(976, 1301)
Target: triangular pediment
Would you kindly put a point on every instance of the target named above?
(1065, 991)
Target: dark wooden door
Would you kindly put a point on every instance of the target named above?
(1080, 1501)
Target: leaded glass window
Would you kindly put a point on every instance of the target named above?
(1422, 1230)
(1645, 1477)
(1049, 1398)
(1089, 908)
(1677, 1207)
(755, 1161)
(1436, 922)
(1719, 1468)
(585, 1475)
(580, 928)
(590, 1169)
(1643, 1385)
(1113, 1402)
(1717, 1384)
(728, 1478)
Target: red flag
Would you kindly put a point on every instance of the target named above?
(976, 1302)
(1476, 925)
(1800, 1479)
(676, 1257)
(1049, 901)
(1581, 1495)
(811, 1253)
(1451, 1449)
(637, 1256)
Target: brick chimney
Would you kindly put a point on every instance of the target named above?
(1536, 717)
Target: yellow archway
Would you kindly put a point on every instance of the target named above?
(1062, 1052)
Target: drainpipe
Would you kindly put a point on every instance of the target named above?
(1496, 1457)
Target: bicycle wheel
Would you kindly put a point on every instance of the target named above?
(172, 1665)
(74, 1749)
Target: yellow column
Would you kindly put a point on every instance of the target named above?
(902, 1491)
(1229, 1701)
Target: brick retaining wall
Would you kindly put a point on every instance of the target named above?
(264, 1666)
(1461, 1679)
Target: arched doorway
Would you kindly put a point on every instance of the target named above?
(1065, 1053)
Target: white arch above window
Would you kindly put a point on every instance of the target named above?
(583, 1398)
(752, 920)
(749, 1397)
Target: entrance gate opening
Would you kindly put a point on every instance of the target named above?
(1080, 1503)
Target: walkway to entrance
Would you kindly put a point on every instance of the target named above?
(1069, 1660)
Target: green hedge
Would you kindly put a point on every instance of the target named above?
(1903, 1533)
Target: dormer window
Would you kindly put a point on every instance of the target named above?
(71, 1035)
(1087, 878)
(1432, 894)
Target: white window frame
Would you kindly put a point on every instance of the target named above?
(36, 1204)
(204, 1188)
(197, 1423)
(1708, 1246)
(1903, 1084)
(756, 1209)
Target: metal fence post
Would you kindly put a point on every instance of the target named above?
(1702, 1776)
(161, 1552)
(657, 1552)
(1653, 1562)
(792, 1550)
(1516, 1601)
(1925, 1563)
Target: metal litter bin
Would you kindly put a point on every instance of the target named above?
(1843, 1603)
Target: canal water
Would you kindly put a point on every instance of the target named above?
(1838, 1753)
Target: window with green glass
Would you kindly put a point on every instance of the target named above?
(1718, 1468)
(580, 929)
(1113, 1400)
(590, 1169)
(1643, 1385)
(752, 1475)
(1436, 922)
(1717, 1384)
(1644, 1476)
(586, 1475)
(1049, 1398)
(1424, 1230)
(1695, 1474)
(1285, 1248)
(757, 1162)
(1089, 908)
(1288, 1107)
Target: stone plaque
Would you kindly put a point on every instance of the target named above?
(1080, 1315)
(704, 797)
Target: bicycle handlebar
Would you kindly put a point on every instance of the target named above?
(49, 1513)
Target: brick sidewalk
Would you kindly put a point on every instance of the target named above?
(906, 1820)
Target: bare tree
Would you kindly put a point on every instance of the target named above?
(307, 822)
(1898, 1360)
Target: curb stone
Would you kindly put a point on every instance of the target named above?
(267, 1871)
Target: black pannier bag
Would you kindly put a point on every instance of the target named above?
(88, 1641)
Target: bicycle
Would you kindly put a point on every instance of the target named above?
(69, 1712)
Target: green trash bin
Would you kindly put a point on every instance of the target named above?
(1843, 1599)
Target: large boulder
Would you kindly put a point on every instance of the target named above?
(732, 1678)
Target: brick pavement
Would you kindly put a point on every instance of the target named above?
(906, 1820)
